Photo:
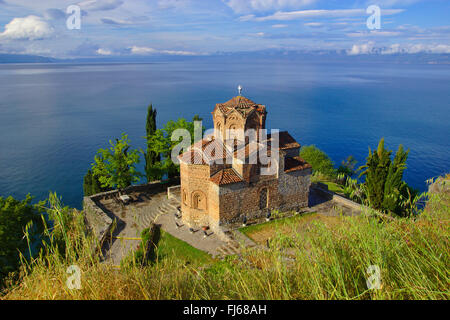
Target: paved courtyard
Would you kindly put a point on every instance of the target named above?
(146, 209)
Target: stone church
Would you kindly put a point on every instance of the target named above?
(229, 175)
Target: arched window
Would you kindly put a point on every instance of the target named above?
(198, 200)
(232, 132)
(264, 198)
(184, 197)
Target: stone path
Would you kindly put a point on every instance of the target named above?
(134, 218)
(131, 221)
(210, 244)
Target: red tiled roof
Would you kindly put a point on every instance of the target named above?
(253, 148)
(244, 105)
(286, 141)
(295, 164)
(226, 177)
(212, 149)
(192, 157)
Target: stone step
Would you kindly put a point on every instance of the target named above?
(227, 250)
(234, 244)
(223, 251)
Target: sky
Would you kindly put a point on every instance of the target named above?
(207, 27)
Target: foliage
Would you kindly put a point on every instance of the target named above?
(116, 167)
(395, 188)
(161, 143)
(141, 255)
(347, 167)
(151, 157)
(319, 160)
(319, 261)
(16, 217)
(355, 191)
(91, 185)
(376, 171)
(384, 183)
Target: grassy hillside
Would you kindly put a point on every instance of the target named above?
(309, 258)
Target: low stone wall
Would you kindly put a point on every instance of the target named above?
(99, 222)
(322, 189)
(174, 192)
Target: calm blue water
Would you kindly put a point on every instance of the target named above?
(54, 117)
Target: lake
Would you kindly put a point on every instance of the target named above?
(54, 117)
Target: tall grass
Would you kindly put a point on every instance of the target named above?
(319, 263)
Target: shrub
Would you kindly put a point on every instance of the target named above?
(319, 160)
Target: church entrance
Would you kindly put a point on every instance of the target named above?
(264, 199)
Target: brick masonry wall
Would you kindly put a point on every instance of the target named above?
(195, 182)
(229, 204)
(288, 192)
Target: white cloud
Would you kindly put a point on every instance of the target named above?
(279, 26)
(100, 5)
(370, 48)
(314, 24)
(117, 22)
(392, 3)
(148, 51)
(243, 6)
(169, 4)
(142, 50)
(104, 52)
(375, 33)
(365, 48)
(179, 53)
(339, 13)
(28, 28)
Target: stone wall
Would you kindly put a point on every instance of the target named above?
(100, 222)
(195, 188)
(322, 189)
(174, 192)
(288, 192)
(293, 189)
(239, 200)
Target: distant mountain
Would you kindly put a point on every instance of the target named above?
(21, 58)
(310, 56)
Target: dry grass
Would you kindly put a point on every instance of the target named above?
(325, 261)
(291, 226)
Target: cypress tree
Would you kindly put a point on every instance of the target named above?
(394, 186)
(91, 185)
(376, 172)
(151, 158)
(386, 189)
(87, 184)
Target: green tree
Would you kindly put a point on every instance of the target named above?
(385, 187)
(395, 188)
(319, 160)
(161, 143)
(375, 172)
(16, 219)
(151, 158)
(347, 167)
(116, 167)
(91, 185)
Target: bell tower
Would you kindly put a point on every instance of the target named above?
(238, 115)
